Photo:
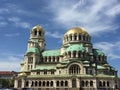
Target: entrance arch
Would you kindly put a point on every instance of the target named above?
(73, 83)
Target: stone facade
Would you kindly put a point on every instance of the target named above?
(75, 66)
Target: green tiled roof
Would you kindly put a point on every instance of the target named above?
(98, 52)
(51, 53)
(33, 50)
(33, 40)
(75, 47)
(45, 67)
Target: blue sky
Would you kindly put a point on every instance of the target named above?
(101, 19)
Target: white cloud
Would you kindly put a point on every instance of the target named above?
(19, 23)
(91, 14)
(115, 10)
(54, 34)
(11, 63)
(111, 49)
(12, 35)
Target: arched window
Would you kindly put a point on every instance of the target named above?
(57, 59)
(27, 83)
(74, 69)
(45, 72)
(79, 54)
(40, 83)
(35, 83)
(75, 37)
(62, 83)
(82, 83)
(57, 83)
(49, 59)
(43, 83)
(66, 83)
(51, 84)
(53, 59)
(83, 38)
(35, 32)
(104, 83)
(69, 54)
(74, 54)
(70, 37)
(91, 83)
(86, 83)
(74, 83)
(79, 37)
(47, 83)
(100, 83)
(40, 33)
(108, 83)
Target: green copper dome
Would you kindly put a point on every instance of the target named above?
(33, 50)
(75, 47)
(98, 52)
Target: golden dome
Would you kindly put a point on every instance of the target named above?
(37, 27)
(76, 30)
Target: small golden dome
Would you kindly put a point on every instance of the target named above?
(76, 30)
(22, 74)
(37, 27)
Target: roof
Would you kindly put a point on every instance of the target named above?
(75, 47)
(51, 53)
(45, 67)
(33, 50)
(98, 52)
(6, 72)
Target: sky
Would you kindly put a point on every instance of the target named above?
(100, 18)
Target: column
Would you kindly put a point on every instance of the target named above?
(34, 61)
(71, 54)
(16, 84)
(72, 37)
(30, 82)
(77, 54)
(47, 59)
(77, 83)
(23, 83)
(77, 37)
(54, 84)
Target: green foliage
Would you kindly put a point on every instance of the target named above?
(6, 83)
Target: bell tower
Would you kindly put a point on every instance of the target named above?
(36, 45)
(37, 35)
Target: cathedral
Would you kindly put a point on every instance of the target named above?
(75, 65)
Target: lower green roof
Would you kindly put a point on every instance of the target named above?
(45, 67)
(33, 50)
(98, 52)
(51, 53)
(75, 47)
